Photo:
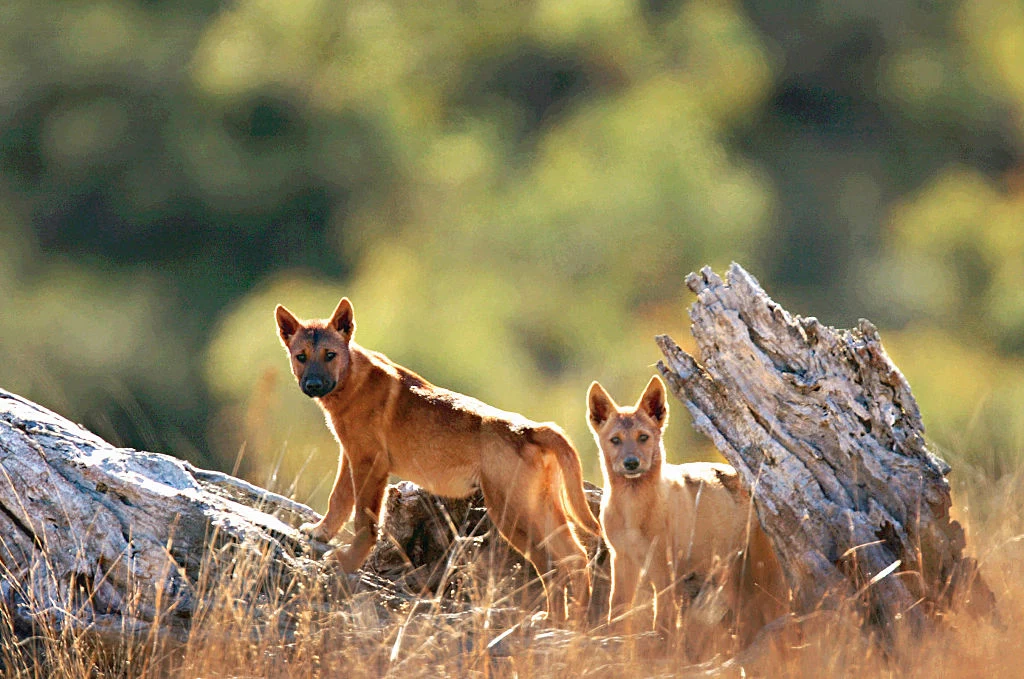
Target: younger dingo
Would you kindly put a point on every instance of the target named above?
(677, 529)
(389, 420)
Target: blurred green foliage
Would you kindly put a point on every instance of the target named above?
(511, 194)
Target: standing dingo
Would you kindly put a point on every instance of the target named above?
(677, 530)
(389, 420)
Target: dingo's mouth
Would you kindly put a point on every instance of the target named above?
(633, 475)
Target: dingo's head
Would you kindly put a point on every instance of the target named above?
(318, 349)
(629, 438)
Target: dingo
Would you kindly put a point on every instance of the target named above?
(675, 529)
(389, 420)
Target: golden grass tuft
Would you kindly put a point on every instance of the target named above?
(249, 622)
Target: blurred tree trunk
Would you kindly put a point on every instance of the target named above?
(825, 432)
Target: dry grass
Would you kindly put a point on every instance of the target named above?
(307, 627)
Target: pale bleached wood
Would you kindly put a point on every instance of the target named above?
(95, 533)
(824, 430)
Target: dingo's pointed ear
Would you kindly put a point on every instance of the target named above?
(599, 405)
(287, 324)
(653, 401)
(343, 319)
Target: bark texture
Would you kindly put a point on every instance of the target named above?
(825, 432)
(440, 547)
(101, 537)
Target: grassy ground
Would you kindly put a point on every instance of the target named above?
(308, 629)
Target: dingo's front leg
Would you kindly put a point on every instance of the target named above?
(339, 508)
(369, 480)
(624, 595)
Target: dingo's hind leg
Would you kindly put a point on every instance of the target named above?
(525, 504)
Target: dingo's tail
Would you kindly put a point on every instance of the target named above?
(551, 438)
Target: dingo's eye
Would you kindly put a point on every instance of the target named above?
(642, 438)
(616, 440)
(301, 358)
(329, 356)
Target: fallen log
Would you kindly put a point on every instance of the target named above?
(118, 543)
(827, 436)
(99, 537)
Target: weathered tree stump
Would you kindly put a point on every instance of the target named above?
(825, 432)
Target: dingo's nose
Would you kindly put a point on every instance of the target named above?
(631, 463)
(315, 386)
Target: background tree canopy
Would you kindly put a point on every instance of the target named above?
(510, 192)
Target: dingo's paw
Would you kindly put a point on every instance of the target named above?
(316, 531)
(345, 558)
